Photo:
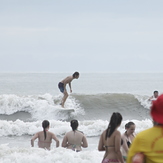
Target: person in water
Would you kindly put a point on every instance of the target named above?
(74, 139)
(62, 86)
(127, 138)
(44, 137)
(154, 97)
(150, 142)
(110, 141)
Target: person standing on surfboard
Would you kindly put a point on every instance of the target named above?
(62, 86)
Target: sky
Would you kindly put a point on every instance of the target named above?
(81, 35)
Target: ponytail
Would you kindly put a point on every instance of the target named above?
(74, 124)
(115, 121)
(45, 124)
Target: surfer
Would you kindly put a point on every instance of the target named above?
(74, 139)
(44, 137)
(154, 97)
(149, 142)
(62, 86)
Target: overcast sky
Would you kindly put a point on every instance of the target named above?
(81, 35)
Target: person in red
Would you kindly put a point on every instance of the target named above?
(150, 142)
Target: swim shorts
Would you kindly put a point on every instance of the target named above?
(61, 86)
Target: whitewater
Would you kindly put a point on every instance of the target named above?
(27, 99)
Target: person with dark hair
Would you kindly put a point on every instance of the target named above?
(74, 139)
(110, 141)
(148, 144)
(62, 86)
(154, 97)
(44, 137)
(127, 138)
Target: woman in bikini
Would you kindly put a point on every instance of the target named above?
(127, 138)
(110, 141)
(74, 139)
(44, 137)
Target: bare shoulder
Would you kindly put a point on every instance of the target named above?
(67, 79)
(116, 132)
(51, 133)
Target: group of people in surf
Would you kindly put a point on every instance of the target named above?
(76, 139)
(73, 139)
(145, 147)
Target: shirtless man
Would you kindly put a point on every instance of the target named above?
(154, 97)
(62, 86)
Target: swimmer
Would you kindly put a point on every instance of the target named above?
(45, 137)
(110, 141)
(74, 139)
(127, 138)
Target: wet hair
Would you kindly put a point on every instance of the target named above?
(115, 121)
(75, 74)
(45, 124)
(155, 92)
(127, 125)
(74, 124)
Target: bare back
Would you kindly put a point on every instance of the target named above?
(67, 80)
(74, 140)
(111, 145)
(42, 142)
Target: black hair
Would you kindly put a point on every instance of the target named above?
(45, 124)
(155, 92)
(75, 74)
(115, 121)
(74, 124)
(127, 125)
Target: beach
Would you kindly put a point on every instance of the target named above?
(27, 99)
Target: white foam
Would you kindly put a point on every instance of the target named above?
(40, 107)
(144, 101)
(56, 155)
(90, 128)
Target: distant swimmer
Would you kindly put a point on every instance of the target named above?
(62, 86)
(154, 97)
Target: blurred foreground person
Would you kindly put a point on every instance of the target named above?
(150, 142)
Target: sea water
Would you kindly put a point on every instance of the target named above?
(27, 99)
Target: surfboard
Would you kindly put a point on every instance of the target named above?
(68, 109)
(65, 109)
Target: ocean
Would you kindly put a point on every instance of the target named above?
(26, 99)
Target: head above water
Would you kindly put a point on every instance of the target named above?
(115, 122)
(76, 75)
(155, 94)
(74, 124)
(45, 125)
(157, 110)
(130, 127)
